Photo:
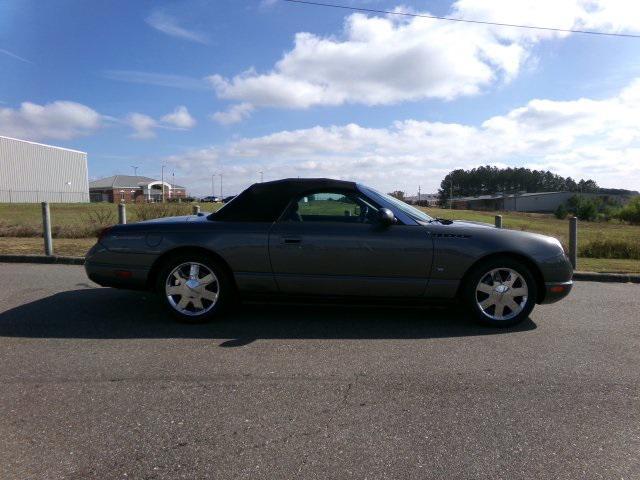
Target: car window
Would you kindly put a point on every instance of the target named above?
(331, 207)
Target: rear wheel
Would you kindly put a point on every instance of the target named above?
(194, 288)
(500, 292)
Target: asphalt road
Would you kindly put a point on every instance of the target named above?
(100, 383)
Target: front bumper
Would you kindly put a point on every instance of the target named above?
(555, 291)
(102, 269)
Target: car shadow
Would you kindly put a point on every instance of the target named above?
(103, 313)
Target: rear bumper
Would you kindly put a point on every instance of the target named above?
(556, 291)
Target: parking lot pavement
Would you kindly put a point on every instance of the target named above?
(100, 383)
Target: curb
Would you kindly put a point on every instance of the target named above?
(60, 260)
(42, 259)
(607, 277)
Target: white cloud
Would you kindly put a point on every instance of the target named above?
(13, 55)
(180, 118)
(143, 125)
(235, 114)
(386, 60)
(166, 23)
(582, 138)
(159, 79)
(59, 120)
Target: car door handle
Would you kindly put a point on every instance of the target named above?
(291, 240)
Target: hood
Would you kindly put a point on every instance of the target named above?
(469, 223)
(179, 219)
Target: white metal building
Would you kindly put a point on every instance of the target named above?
(32, 172)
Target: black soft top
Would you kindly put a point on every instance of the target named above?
(264, 202)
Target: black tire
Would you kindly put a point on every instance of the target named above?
(472, 298)
(222, 286)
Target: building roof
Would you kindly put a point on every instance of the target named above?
(42, 144)
(497, 196)
(125, 181)
(264, 202)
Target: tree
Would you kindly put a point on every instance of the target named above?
(399, 194)
(631, 212)
(488, 180)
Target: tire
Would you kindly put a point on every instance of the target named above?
(500, 292)
(194, 288)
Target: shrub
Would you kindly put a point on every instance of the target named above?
(631, 212)
(148, 211)
(610, 249)
(587, 210)
(20, 230)
(561, 212)
(101, 217)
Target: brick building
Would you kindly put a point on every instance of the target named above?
(128, 188)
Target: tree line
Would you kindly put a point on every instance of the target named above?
(488, 180)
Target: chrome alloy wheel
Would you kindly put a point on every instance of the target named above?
(501, 294)
(192, 288)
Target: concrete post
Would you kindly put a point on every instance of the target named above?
(122, 213)
(196, 209)
(573, 242)
(46, 229)
(498, 221)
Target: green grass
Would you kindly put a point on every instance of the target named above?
(82, 220)
(71, 218)
(547, 224)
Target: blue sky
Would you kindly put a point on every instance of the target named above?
(237, 87)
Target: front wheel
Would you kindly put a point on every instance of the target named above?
(500, 292)
(194, 288)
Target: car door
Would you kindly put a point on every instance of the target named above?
(331, 243)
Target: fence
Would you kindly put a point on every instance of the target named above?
(38, 196)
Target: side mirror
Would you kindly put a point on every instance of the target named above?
(387, 217)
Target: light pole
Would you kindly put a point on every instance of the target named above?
(220, 185)
(135, 170)
(162, 180)
(261, 176)
(213, 190)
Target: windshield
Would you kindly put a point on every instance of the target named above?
(399, 204)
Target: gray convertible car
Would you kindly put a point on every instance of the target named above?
(322, 238)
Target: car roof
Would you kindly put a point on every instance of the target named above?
(264, 202)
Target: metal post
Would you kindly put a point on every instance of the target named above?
(122, 213)
(498, 221)
(573, 241)
(46, 229)
(196, 209)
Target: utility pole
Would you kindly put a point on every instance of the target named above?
(213, 191)
(173, 182)
(220, 185)
(135, 170)
(261, 176)
(419, 194)
(162, 180)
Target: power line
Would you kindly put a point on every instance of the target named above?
(452, 19)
